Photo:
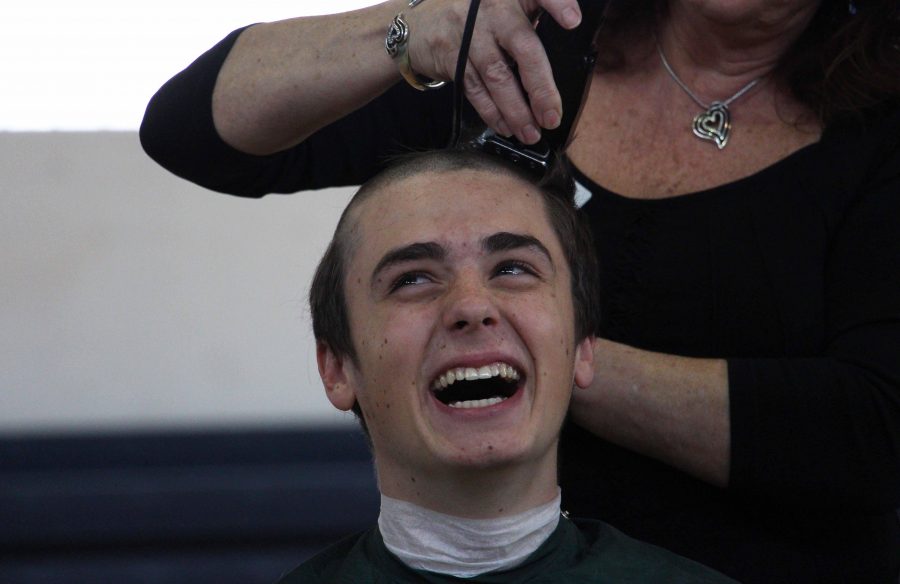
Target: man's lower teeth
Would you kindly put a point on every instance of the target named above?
(477, 403)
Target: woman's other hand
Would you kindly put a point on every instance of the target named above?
(671, 408)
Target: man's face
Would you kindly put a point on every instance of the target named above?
(451, 276)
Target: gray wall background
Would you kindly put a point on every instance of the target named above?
(131, 299)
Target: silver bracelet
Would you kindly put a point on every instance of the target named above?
(396, 43)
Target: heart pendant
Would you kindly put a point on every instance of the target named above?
(714, 124)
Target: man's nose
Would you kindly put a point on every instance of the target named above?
(470, 305)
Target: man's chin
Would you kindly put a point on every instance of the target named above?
(485, 451)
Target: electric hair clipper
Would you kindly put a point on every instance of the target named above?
(572, 55)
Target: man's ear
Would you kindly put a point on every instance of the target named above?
(584, 363)
(335, 374)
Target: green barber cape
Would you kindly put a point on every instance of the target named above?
(590, 553)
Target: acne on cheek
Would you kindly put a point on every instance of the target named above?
(382, 398)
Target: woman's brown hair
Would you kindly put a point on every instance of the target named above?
(846, 62)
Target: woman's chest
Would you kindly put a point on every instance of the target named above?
(712, 275)
(634, 142)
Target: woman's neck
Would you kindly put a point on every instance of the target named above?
(717, 47)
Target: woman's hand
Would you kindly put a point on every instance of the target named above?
(504, 37)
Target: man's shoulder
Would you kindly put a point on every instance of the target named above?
(329, 564)
(616, 557)
(606, 556)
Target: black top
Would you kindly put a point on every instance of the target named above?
(592, 553)
(791, 274)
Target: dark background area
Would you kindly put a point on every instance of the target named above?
(204, 506)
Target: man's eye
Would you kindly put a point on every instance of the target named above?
(410, 279)
(514, 269)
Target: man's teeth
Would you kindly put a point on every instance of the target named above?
(471, 373)
(477, 403)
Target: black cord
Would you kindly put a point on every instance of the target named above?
(461, 60)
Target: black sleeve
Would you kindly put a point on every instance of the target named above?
(178, 132)
(826, 430)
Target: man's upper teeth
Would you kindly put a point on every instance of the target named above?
(471, 373)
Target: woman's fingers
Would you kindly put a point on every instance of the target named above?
(499, 95)
(535, 80)
(481, 100)
(566, 12)
(503, 43)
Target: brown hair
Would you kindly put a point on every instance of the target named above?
(845, 62)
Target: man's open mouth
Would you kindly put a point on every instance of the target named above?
(477, 387)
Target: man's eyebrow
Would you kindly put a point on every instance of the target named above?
(504, 241)
(427, 250)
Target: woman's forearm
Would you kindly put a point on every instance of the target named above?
(674, 409)
(284, 80)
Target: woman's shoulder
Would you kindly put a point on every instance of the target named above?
(864, 145)
(878, 121)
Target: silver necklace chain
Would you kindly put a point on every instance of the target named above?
(714, 123)
(687, 90)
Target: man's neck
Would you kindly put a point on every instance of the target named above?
(474, 493)
(426, 540)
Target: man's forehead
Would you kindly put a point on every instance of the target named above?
(456, 209)
(473, 196)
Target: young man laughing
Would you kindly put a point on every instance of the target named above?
(454, 314)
